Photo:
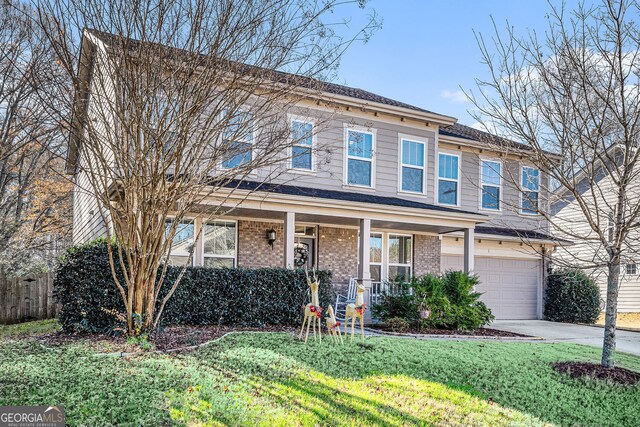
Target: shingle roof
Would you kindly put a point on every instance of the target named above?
(302, 81)
(458, 130)
(520, 233)
(339, 195)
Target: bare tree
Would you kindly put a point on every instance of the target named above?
(573, 98)
(185, 100)
(34, 196)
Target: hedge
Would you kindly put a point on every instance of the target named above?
(571, 297)
(89, 298)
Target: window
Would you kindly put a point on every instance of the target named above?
(360, 146)
(220, 244)
(302, 145)
(182, 244)
(412, 166)
(238, 140)
(400, 250)
(448, 176)
(632, 268)
(490, 179)
(530, 190)
(375, 257)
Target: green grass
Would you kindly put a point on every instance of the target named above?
(272, 379)
(21, 330)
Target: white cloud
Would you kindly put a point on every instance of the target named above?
(454, 96)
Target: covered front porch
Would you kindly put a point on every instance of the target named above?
(371, 242)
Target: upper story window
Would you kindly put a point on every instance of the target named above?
(220, 244)
(529, 197)
(448, 178)
(412, 173)
(632, 268)
(183, 242)
(490, 179)
(302, 145)
(238, 140)
(360, 161)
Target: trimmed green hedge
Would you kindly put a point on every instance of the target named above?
(572, 297)
(205, 296)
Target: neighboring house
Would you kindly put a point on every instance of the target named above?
(570, 223)
(404, 191)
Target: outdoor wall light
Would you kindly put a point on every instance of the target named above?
(271, 237)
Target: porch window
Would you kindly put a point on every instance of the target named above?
(400, 250)
(238, 139)
(375, 257)
(530, 190)
(490, 178)
(220, 244)
(412, 166)
(360, 146)
(448, 178)
(302, 145)
(183, 242)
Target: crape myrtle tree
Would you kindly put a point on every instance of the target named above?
(572, 96)
(185, 101)
(34, 195)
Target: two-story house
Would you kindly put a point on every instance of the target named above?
(405, 191)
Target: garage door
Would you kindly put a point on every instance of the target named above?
(509, 286)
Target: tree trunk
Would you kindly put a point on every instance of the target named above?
(611, 311)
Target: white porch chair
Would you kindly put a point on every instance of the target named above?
(343, 300)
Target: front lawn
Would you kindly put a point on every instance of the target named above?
(272, 379)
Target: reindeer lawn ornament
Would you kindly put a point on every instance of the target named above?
(312, 311)
(356, 311)
(333, 326)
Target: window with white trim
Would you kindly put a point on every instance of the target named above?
(400, 251)
(448, 178)
(529, 197)
(412, 163)
(360, 146)
(220, 244)
(238, 139)
(490, 178)
(632, 268)
(375, 257)
(302, 145)
(182, 245)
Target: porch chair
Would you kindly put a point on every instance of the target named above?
(343, 300)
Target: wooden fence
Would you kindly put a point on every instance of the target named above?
(27, 298)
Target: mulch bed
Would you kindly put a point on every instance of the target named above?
(480, 332)
(616, 375)
(168, 338)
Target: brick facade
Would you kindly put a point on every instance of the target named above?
(338, 252)
(253, 248)
(426, 254)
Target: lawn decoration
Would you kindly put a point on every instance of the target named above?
(333, 326)
(356, 311)
(312, 311)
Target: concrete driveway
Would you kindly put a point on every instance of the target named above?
(628, 342)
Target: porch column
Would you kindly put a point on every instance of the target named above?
(364, 255)
(198, 257)
(289, 232)
(468, 250)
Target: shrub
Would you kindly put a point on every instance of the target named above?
(398, 303)
(398, 324)
(90, 300)
(449, 298)
(571, 296)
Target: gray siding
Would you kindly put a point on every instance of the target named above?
(87, 221)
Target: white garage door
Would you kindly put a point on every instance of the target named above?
(509, 286)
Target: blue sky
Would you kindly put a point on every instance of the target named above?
(426, 50)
